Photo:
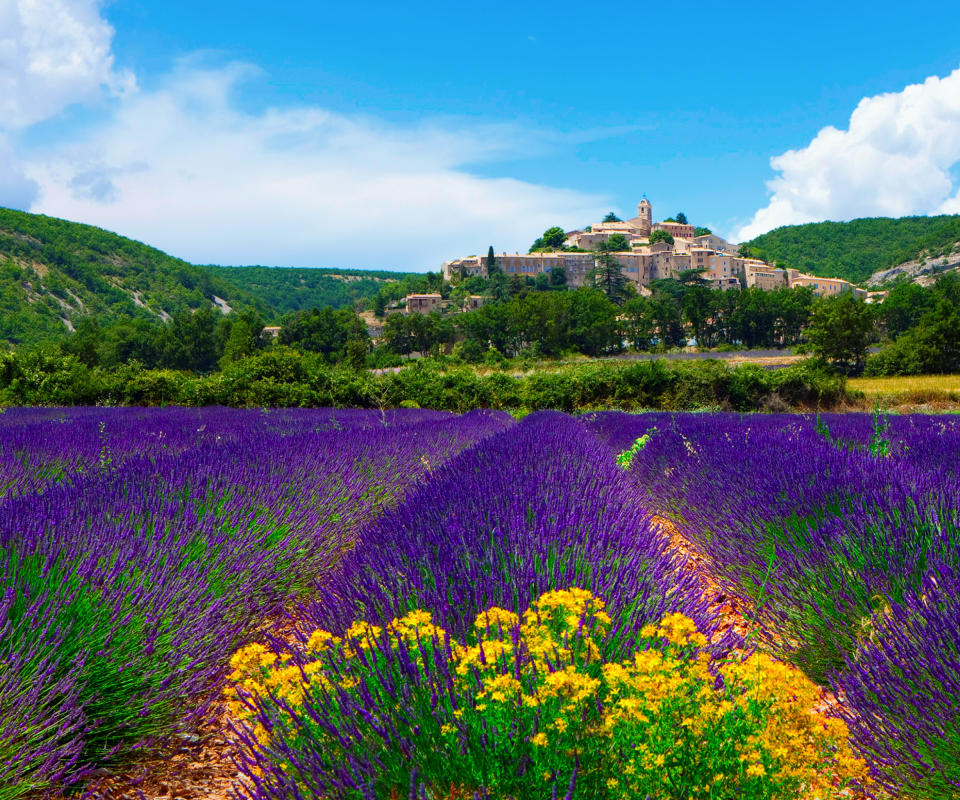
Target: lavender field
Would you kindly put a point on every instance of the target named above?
(417, 603)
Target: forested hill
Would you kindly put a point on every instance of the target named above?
(855, 250)
(54, 272)
(285, 289)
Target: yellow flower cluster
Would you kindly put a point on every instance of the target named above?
(654, 714)
(794, 735)
(676, 629)
(257, 672)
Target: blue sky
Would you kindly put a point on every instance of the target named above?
(399, 135)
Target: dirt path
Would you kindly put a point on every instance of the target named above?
(735, 612)
(197, 766)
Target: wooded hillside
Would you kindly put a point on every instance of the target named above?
(855, 250)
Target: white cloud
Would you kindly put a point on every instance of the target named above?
(182, 169)
(895, 159)
(54, 53)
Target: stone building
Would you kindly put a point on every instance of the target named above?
(644, 263)
(676, 229)
(423, 303)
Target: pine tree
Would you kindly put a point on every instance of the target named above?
(607, 275)
(492, 266)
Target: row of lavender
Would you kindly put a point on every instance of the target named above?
(536, 509)
(140, 548)
(845, 534)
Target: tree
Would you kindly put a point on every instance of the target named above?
(698, 231)
(681, 218)
(188, 341)
(397, 335)
(459, 297)
(594, 329)
(607, 275)
(493, 266)
(660, 236)
(239, 344)
(379, 305)
(323, 331)
(698, 309)
(930, 348)
(356, 354)
(558, 278)
(618, 243)
(611, 217)
(498, 290)
(84, 342)
(692, 277)
(838, 331)
(638, 323)
(904, 307)
(552, 239)
(666, 320)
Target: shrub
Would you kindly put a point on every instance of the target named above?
(526, 708)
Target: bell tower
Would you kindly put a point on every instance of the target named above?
(645, 216)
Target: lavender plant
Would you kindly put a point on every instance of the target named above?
(129, 582)
(902, 690)
(864, 534)
(537, 508)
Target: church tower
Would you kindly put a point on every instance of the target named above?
(645, 217)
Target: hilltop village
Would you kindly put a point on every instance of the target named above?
(646, 251)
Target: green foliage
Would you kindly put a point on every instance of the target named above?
(607, 274)
(53, 270)
(282, 290)
(53, 273)
(498, 290)
(611, 217)
(880, 438)
(284, 377)
(324, 331)
(932, 347)
(903, 308)
(660, 236)
(552, 239)
(855, 250)
(698, 231)
(681, 218)
(839, 331)
(625, 459)
(618, 243)
(404, 334)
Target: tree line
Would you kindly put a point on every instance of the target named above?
(917, 328)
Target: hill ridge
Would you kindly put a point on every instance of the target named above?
(857, 249)
(54, 271)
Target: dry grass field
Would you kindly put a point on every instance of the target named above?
(911, 383)
(908, 394)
